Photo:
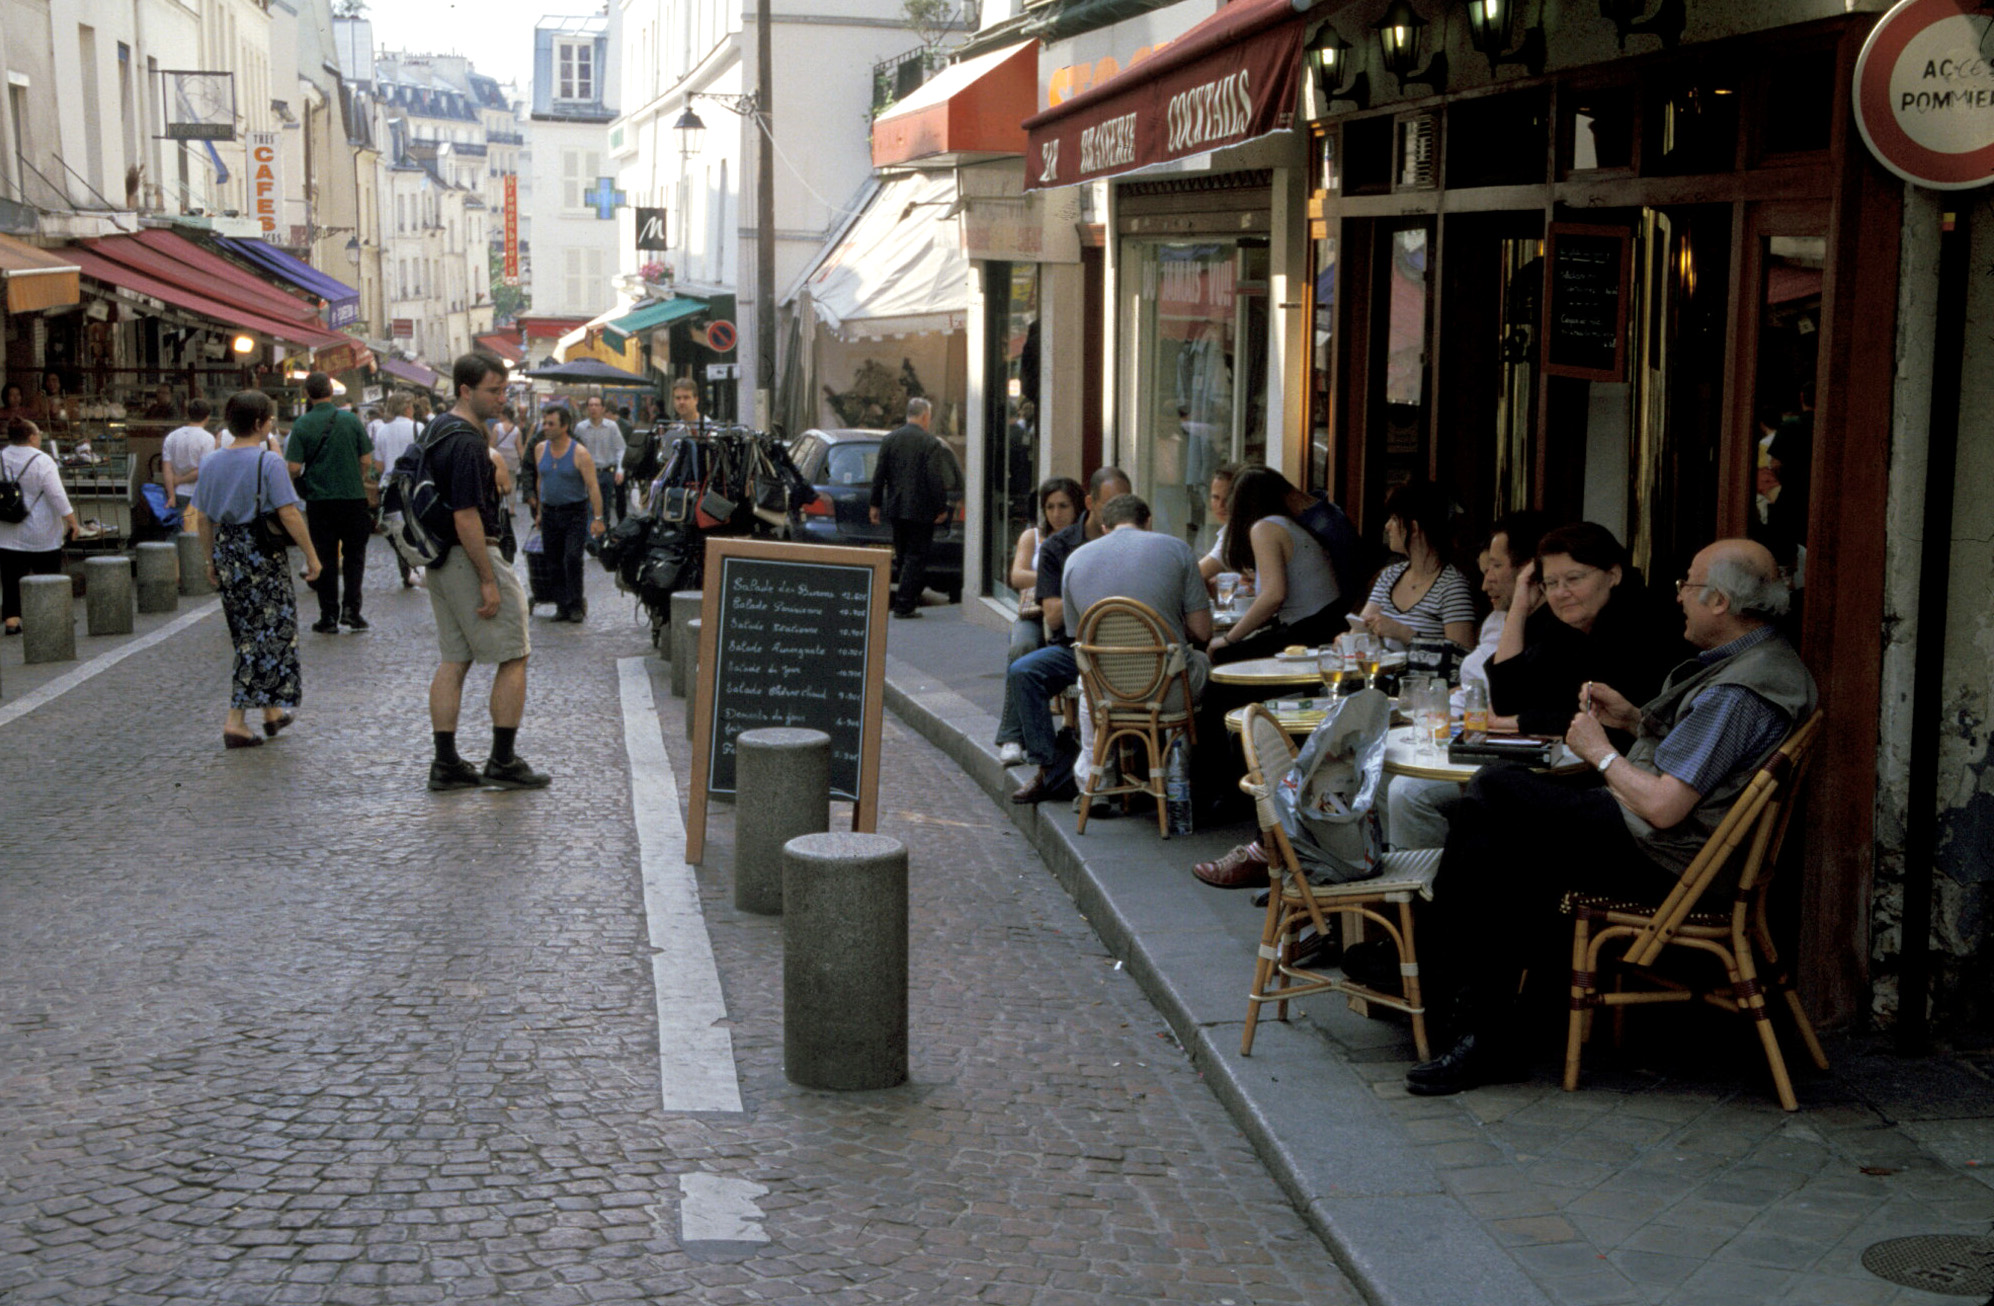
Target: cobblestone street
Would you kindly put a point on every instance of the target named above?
(286, 1027)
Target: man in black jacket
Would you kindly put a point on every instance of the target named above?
(910, 486)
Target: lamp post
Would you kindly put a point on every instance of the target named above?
(756, 108)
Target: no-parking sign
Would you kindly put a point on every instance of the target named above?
(720, 336)
(1924, 93)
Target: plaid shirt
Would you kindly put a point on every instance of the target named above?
(1727, 729)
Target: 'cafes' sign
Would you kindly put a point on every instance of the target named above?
(1924, 92)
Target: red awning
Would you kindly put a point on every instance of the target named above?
(971, 108)
(1231, 79)
(172, 291)
(179, 259)
(501, 344)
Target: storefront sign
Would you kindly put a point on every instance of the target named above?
(1924, 92)
(512, 229)
(651, 230)
(1001, 222)
(1231, 79)
(266, 183)
(1585, 316)
(402, 328)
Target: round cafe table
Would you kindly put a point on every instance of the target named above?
(1269, 673)
(1402, 758)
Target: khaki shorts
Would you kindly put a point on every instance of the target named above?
(461, 634)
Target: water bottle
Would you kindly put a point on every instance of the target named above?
(1177, 786)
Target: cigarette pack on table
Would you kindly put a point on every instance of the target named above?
(1476, 748)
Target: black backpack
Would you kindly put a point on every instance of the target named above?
(14, 503)
(425, 532)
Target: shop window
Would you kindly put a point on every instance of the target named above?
(1327, 176)
(1599, 130)
(1367, 149)
(1322, 362)
(1690, 126)
(1403, 389)
(1783, 398)
(1499, 141)
(1799, 92)
(1010, 416)
(1417, 152)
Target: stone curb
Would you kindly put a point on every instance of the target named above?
(1380, 1209)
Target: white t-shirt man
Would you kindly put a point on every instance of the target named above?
(182, 451)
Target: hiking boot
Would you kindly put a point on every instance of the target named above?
(515, 774)
(445, 776)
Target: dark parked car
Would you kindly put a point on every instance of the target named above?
(839, 463)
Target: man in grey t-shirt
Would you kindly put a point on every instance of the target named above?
(603, 439)
(1130, 561)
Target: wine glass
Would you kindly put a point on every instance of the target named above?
(1329, 662)
(1367, 650)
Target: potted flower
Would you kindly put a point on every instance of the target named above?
(656, 274)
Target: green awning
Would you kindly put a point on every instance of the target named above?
(649, 318)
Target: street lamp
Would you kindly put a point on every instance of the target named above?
(353, 250)
(1488, 31)
(1329, 55)
(692, 133)
(1400, 33)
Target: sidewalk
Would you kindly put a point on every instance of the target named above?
(1655, 1183)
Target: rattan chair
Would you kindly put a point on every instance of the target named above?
(1137, 691)
(1736, 936)
(1294, 902)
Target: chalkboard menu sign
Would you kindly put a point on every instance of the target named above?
(1586, 282)
(790, 635)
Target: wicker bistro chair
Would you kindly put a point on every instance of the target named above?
(1137, 690)
(1736, 936)
(1294, 902)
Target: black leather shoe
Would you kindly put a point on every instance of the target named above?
(1374, 963)
(515, 774)
(1470, 1063)
(354, 620)
(1039, 791)
(325, 627)
(912, 614)
(446, 776)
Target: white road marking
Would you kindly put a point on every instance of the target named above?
(101, 663)
(719, 1209)
(695, 1051)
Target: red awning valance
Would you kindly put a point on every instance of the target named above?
(969, 109)
(1231, 79)
(114, 273)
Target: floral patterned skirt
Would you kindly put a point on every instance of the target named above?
(262, 610)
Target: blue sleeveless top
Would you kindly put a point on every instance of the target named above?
(560, 483)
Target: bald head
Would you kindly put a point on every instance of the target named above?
(1733, 587)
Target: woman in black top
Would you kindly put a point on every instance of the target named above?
(1578, 616)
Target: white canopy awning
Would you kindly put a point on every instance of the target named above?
(900, 269)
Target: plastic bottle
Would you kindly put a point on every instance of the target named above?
(1177, 786)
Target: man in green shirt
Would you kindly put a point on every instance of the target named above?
(330, 455)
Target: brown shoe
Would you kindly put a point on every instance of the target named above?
(1039, 790)
(1242, 868)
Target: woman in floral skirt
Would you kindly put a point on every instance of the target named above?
(238, 485)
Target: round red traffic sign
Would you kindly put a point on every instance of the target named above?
(720, 336)
(1924, 92)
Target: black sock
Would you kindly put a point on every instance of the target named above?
(502, 737)
(446, 746)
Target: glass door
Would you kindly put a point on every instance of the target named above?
(1011, 422)
(1190, 323)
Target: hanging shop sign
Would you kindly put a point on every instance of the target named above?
(200, 106)
(266, 183)
(651, 230)
(1924, 92)
(512, 229)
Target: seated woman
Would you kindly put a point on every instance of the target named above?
(1297, 595)
(1423, 597)
(1578, 615)
(1059, 499)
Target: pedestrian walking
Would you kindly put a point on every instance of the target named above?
(33, 545)
(239, 487)
(479, 604)
(570, 508)
(180, 462)
(603, 438)
(391, 440)
(331, 456)
(910, 489)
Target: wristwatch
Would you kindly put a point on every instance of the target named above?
(1604, 762)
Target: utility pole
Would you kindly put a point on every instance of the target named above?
(764, 222)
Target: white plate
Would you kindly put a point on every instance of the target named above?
(1308, 656)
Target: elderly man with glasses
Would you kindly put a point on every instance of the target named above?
(1520, 840)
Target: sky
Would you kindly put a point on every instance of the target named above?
(496, 34)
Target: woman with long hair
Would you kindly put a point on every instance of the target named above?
(1424, 597)
(1295, 600)
(238, 486)
(1059, 500)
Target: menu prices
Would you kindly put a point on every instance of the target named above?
(1586, 323)
(791, 649)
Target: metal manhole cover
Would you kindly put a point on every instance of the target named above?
(1954, 1265)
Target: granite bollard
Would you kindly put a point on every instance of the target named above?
(193, 566)
(48, 619)
(107, 594)
(844, 961)
(783, 777)
(684, 608)
(158, 576)
(688, 662)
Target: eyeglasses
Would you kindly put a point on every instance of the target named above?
(1571, 580)
(1688, 583)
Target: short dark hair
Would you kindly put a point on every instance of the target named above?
(19, 429)
(246, 410)
(685, 383)
(1584, 542)
(198, 410)
(561, 411)
(1123, 509)
(470, 370)
(1227, 472)
(1103, 474)
(318, 386)
(1520, 531)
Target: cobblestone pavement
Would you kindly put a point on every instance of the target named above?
(281, 1026)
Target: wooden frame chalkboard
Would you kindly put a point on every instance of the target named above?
(790, 635)
(1587, 274)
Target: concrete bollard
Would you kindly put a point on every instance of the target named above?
(685, 608)
(107, 594)
(48, 619)
(158, 577)
(844, 961)
(783, 777)
(688, 661)
(193, 566)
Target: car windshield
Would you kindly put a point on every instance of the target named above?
(851, 464)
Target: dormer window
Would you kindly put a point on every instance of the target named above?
(574, 70)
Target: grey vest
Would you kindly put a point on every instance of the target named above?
(1770, 669)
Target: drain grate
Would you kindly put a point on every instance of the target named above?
(1954, 1265)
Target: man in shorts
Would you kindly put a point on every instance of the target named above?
(479, 604)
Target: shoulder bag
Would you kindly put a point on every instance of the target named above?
(269, 532)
